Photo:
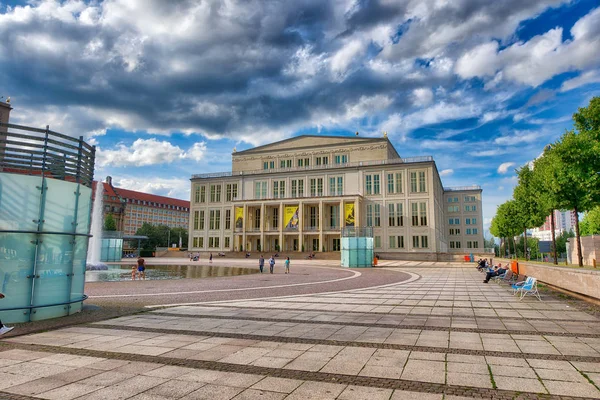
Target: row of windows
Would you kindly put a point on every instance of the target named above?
(468, 221)
(156, 204)
(467, 199)
(397, 242)
(470, 245)
(418, 183)
(467, 208)
(231, 193)
(306, 161)
(213, 242)
(469, 231)
(316, 188)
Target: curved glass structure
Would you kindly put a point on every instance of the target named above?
(45, 208)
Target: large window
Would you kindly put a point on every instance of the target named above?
(214, 219)
(279, 189)
(260, 190)
(304, 162)
(227, 220)
(376, 185)
(313, 213)
(275, 217)
(377, 242)
(373, 215)
(322, 160)
(257, 218)
(297, 187)
(394, 182)
(231, 191)
(396, 242)
(341, 158)
(285, 163)
(198, 242)
(213, 242)
(196, 220)
(395, 214)
(418, 182)
(372, 185)
(419, 214)
(336, 186)
(197, 194)
(227, 242)
(316, 187)
(334, 216)
(201, 221)
(215, 193)
(202, 194)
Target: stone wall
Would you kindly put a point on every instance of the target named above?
(590, 248)
(582, 281)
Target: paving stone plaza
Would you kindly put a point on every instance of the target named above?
(436, 333)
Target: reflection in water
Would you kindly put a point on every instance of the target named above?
(153, 272)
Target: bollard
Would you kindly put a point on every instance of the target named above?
(594, 262)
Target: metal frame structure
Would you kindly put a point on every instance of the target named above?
(49, 155)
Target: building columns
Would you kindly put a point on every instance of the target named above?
(300, 226)
(321, 225)
(263, 220)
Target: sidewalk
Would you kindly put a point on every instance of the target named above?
(445, 335)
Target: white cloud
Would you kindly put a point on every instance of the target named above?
(581, 80)
(518, 137)
(503, 168)
(171, 187)
(446, 172)
(144, 152)
(540, 58)
(341, 61)
(422, 96)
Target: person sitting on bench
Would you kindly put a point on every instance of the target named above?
(498, 271)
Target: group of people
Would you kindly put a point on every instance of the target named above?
(261, 264)
(490, 272)
(139, 271)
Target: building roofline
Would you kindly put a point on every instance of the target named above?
(358, 139)
(317, 168)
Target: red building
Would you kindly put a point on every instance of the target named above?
(132, 209)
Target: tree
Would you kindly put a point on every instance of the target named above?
(590, 224)
(575, 185)
(544, 172)
(109, 223)
(507, 222)
(531, 214)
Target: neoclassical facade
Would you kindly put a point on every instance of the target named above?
(297, 195)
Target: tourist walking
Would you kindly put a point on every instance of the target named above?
(4, 329)
(210, 258)
(261, 263)
(141, 268)
(271, 264)
(287, 265)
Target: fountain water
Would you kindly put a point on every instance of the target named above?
(95, 242)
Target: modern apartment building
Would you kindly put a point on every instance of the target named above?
(564, 221)
(297, 194)
(132, 209)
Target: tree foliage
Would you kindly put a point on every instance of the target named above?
(566, 177)
(590, 224)
(109, 223)
(159, 236)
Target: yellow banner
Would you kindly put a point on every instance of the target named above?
(349, 214)
(290, 215)
(239, 217)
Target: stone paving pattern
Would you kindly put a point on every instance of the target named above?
(445, 335)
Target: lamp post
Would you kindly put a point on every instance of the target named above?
(169, 239)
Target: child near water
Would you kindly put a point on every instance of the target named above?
(133, 273)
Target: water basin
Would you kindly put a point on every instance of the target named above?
(122, 272)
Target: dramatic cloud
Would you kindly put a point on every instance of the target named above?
(151, 82)
(503, 168)
(148, 152)
(446, 172)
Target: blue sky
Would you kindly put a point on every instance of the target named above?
(166, 91)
